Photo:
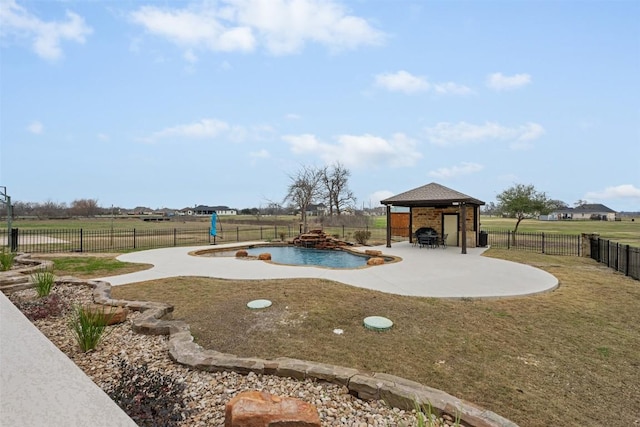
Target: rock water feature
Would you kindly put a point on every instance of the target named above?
(318, 239)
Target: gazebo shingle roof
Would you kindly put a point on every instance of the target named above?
(430, 194)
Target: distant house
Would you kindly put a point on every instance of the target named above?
(593, 211)
(202, 210)
(140, 210)
(317, 210)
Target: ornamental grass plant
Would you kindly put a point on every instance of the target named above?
(6, 260)
(89, 326)
(43, 281)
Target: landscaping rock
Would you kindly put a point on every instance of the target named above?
(265, 256)
(112, 315)
(242, 253)
(261, 409)
(375, 261)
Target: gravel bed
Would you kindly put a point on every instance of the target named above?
(206, 392)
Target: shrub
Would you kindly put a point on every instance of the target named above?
(44, 281)
(150, 398)
(89, 326)
(6, 260)
(52, 305)
(361, 236)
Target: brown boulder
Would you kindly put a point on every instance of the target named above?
(372, 252)
(375, 261)
(261, 409)
(265, 256)
(242, 253)
(112, 315)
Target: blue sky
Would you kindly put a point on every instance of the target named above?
(178, 103)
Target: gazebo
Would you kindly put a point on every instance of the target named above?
(441, 208)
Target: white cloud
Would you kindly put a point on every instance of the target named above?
(625, 191)
(194, 28)
(260, 154)
(359, 150)
(499, 81)
(375, 197)
(465, 168)
(190, 56)
(452, 88)
(280, 26)
(449, 134)
(205, 128)
(292, 116)
(403, 81)
(45, 37)
(211, 128)
(35, 127)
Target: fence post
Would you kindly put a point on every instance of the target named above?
(174, 238)
(275, 232)
(13, 244)
(508, 239)
(134, 238)
(543, 242)
(237, 234)
(260, 232)
(343, 231)
(627, 259)
(81, 243)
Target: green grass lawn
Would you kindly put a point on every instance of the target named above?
(627, 231)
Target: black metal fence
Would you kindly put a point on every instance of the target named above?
(546, 243)
(622, 258)
(122, 240)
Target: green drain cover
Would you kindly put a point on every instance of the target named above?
(259, 303)
(378, 323)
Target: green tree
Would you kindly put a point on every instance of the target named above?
(523, 201)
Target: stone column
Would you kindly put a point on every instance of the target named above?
(585, 250)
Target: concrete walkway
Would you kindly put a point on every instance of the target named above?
(40, 386)
(433, 272)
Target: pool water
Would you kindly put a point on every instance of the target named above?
(305, 256)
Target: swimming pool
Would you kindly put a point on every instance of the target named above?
(294, 255)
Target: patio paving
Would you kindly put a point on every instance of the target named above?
(433, 272)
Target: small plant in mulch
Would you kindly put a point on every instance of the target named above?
(89, 326)
(43, 281)
(362, 236)
(150, 398)
(50, 306)
(6, 260)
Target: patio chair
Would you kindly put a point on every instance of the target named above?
(427, 239)
(443, 241)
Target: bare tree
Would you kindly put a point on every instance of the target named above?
(51, 209)
(304, 189)
(84, 207)
(335, 180)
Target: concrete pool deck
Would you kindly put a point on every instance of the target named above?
(433, 272)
